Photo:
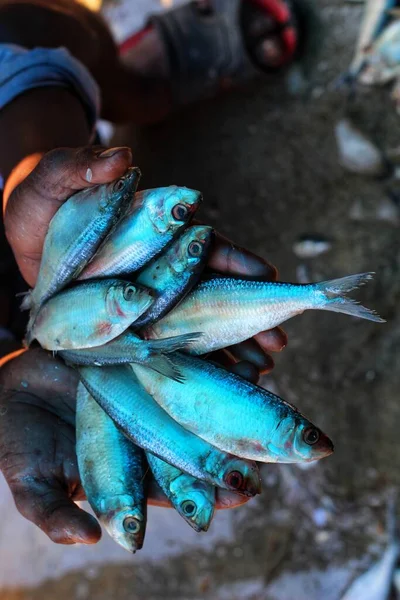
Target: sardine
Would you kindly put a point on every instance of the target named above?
(224, 499)
(228, 311)
(193, 499)
(89, 314)
(119, 393)
(75, 233)
(112, 470)
(152, 221)
(234, 415)
(129, 348)
(376, 16)
(175, 272)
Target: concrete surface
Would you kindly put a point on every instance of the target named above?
(267, 165)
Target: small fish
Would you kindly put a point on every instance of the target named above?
(112, 470)
(151, 223)
(224, 499)
(311, 245)
(382, 64)
(175, 272)
(129, 348)
(141, 419)
(357, 153)
(193, 499)
(89, 314)
(75, 233)
(234, 415)
(228, 311)
(375, 584)
(376, 16)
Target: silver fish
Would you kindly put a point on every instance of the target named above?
(175, 272)
(193, 499)
(75, 233)
(119, 393)
(234, 415)
(129, 348)
(112, 470)
(152, 221)
(228, 311)
(89, 314)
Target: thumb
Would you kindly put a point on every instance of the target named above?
(31, 205)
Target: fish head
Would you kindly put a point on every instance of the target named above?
(309, 443)
(194, 501)
(127, 526)
(127, 300)
(171, 208)
(191, 249)
(241, 476)
(121, 191)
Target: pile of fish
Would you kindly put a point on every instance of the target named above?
(122, 296)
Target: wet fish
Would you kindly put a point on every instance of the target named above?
(234, 415)
(376, 16)
(193, 499)
(152, 221)
(311, 245)
(224, 498)
(89, 314)
(75, 233)
(375, 584)
(112, 470)
(175, 272)
(382, 64)
(119, 393)
(228, 311)
(129, 348)
(357, 153)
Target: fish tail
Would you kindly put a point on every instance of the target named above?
(335, 292)
(26, 303)
(172, 344)
(165, 366)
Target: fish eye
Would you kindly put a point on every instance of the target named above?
(195, 249)
(180, 212)
(131, 525)
(188, 508)
(311, 436)
(119, 184)
(235, 479)
(129, 292)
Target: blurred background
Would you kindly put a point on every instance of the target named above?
(267, 162)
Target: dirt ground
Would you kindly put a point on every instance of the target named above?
(267, 164)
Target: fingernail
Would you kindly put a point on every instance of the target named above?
(89, 175)
(112, 151)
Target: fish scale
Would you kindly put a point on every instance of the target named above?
(230, 310)
(119, 393)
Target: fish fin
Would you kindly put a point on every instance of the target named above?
(335, 291)
(165, 366)
(172, 344)
(26, 303)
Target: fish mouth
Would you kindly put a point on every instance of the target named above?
(323, 448)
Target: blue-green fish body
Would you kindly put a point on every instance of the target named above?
(152, 221)
(112, 470)
(128, 348)
(89, 314)
(119, 393)
(193, 499)
(234, 415)
(75, 233)
(175, 272)
(228, 310)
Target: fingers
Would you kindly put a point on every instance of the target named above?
(49, 507)
(251, 351)
(34, 202)
(227, 258)
(246, 370)
(274, 340)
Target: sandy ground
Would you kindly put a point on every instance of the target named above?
(267, 165)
